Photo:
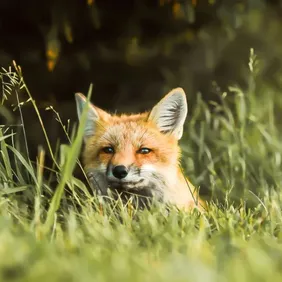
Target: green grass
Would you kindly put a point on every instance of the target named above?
(232, 148)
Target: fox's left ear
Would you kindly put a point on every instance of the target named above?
(170, 113)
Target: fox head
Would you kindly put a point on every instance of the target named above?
(136, 153)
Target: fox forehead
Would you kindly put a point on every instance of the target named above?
(134, 130)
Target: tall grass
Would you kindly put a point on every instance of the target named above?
(232, 149)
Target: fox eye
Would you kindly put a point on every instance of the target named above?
(108, 150)
(144, 151)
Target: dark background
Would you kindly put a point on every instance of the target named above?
(135, 51)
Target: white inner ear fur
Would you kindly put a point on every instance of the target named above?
(92, 115)
(170, 113)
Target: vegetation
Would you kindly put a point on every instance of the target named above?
(69, 234)
(122, 46)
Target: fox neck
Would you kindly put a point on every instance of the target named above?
(179, 190)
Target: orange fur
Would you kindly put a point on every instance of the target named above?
(126, 134)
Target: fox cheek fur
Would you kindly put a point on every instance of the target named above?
(138, 152)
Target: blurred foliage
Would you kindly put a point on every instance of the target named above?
(138, 48)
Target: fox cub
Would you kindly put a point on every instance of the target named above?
(139, 153)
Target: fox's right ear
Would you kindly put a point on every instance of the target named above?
(94, 114)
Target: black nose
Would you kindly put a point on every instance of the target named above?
(120, 171)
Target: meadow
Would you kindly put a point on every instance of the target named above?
(231, 149)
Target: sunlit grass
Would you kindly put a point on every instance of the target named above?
(65, 233)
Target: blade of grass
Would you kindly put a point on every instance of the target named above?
(69, 165)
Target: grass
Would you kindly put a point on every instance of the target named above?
(67, 234)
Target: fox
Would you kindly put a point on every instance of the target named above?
(139, 153)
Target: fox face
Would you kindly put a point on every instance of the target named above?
(135, 153)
